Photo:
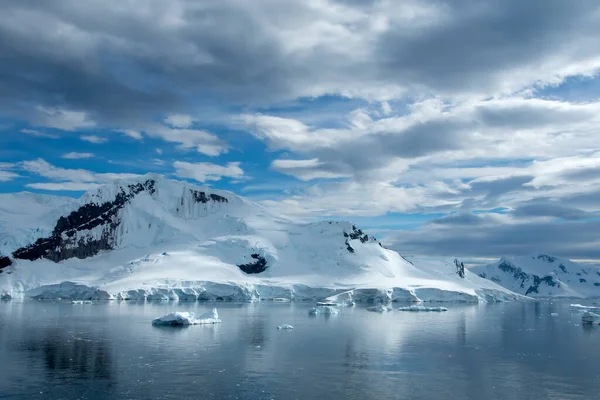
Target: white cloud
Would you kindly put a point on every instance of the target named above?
(93, 139)
(35, 132)
(68, 179)
(158, 151)
(66, 120)
(179, 120)
(203, 171)
(203, 142)
(133, 134)
(77, 156)
(6, 176)
(64, 186)
(306, 170)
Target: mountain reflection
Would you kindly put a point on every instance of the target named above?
(69, 356)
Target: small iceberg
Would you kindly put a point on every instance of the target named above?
(82, 302)
(281, 300)
(554, 314)
(423, 309)
(380, 308)
(590, 318)
(285, 327)
(326, 303)
(581, 307)
(325, 310)
(187, 318)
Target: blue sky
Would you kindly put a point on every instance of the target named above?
(444, 128)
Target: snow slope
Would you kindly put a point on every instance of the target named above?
(156, 239)
(541, 275)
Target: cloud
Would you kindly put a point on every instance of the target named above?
(203, 171)
(6, 176)
(64, 186)
(124, 65)
(77, 156)
(495, 236)
(133, 134)
(307, 170)
(68, 179)
(36, 133)
(179, 120)
(66, 120)
(203, 142)
(93, 139)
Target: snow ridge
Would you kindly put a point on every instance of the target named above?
(543, 275)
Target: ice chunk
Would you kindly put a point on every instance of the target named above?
(325, 310)
(81, 302)
(281, 300)
(285, 327)
(379, 308)
(554, 314)
(188, 318)
(590, 318)
(423, 309)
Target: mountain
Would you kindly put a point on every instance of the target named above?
(153, 238)
(542, 275)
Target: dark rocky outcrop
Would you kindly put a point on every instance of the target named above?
(202, 197)
(460, 268)
(358, 234)
(255, 267)
(581, 280)
(4, 262)
(546, 258)
(62, 243)
(563, 268)
(548, 280)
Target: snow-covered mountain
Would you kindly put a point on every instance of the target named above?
(541, 275)
(154, 238)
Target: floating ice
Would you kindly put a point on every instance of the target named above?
(554, 314)
(188, 318)
(285, 327)
(423, 309)
(82, 302)
(281, 300)
(590, 318)
(379, 308)
(325, 310)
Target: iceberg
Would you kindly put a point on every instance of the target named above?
(187, 318)
(325, 310)
(380, 308)
(554, 314)
(81, 302)
(590, 318)
(423, 309)
(285, 327)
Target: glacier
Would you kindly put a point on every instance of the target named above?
(543, 276)
(156, 239)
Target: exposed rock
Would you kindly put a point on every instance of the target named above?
(202, 197)
(460, 268)
(256, 267)
(4, 262)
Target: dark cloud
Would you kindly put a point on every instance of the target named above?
(474, 45)
(123, 61)
(496, 237)
(539, 209)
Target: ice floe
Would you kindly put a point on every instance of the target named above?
(422, 309)
(188, 318)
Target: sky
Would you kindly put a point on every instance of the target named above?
(446, 127)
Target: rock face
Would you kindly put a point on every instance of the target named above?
(4, 262)
(256, 267)
(98, 223)
(542, 275)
